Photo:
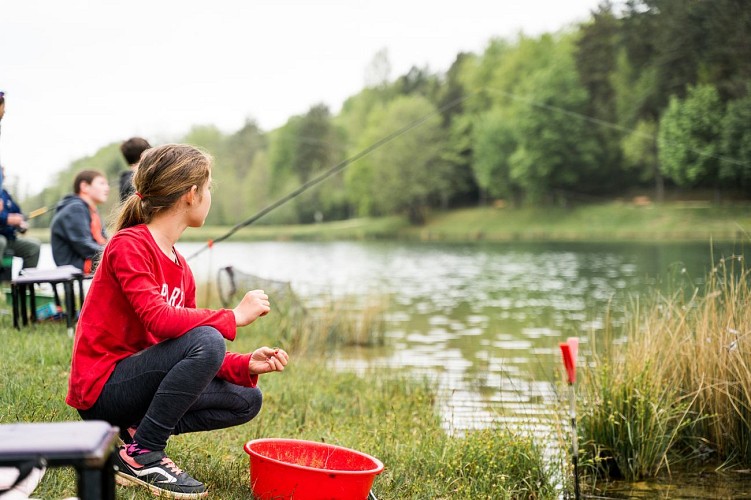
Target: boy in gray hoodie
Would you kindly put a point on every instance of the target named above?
(78, 236)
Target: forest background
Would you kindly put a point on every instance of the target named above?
(651, 98)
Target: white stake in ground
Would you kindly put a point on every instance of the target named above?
(569, 349)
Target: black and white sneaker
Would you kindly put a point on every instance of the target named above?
(157, 472)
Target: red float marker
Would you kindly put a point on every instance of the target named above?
(569, 350)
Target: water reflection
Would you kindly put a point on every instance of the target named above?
(483, 321)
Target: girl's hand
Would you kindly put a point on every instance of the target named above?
(266, 359)
(254, 304)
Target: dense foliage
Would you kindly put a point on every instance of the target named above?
(647, 96)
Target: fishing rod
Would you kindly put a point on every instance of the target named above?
(36, 213)
(331, 171)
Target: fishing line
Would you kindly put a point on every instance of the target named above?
(331, 171)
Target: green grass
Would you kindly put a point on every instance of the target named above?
(382, 413)
(675, 221)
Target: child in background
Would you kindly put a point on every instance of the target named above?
(132, 149)
(145, 358)
(76, 233)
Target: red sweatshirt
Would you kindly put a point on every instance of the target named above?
(138, 298)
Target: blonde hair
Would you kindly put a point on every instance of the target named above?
(164, 174)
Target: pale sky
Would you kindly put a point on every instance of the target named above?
(80, 74)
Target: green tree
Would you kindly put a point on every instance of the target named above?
(640, 155)
(418, 81)
(679, 43)
(496, 78)
(319, 147)
(403, 175)
(498, 81)
(556, 150)
(596, 60)
(451, 98)
(235, 161)
(726, 61)
(688, 139)
(314, 144)
(493, 144)
(256, 188)
(452, 94)
(595, 56)
(242, 147)
(282, 150)
(476, 74)
(211, 139)
(735, 143)
(353, 117)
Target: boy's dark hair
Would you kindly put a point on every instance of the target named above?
(86, 176)
(132, 149)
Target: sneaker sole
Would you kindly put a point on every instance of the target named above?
(127, 480)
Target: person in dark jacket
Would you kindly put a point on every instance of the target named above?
(78, 237)
(13, 223)
(131, 150)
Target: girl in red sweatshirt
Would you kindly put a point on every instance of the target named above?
(145, 358)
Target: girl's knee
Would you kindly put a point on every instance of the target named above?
(209, 343)
(254, 398)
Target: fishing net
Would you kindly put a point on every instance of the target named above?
(327, 321)
(233, 284)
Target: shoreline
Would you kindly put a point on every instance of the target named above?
(611, 222)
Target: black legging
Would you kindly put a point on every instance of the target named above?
(171, 388)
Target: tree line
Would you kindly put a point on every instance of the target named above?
(646, 95)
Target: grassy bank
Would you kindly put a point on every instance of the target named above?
(381, 413)
(677, 221)
(605, 222)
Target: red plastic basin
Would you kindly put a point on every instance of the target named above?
(293, 469)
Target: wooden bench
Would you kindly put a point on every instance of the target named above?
(85, 446)
(25, 283)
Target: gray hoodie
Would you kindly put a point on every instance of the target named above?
(71, 239)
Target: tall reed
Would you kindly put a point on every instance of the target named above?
(674, 384)
(715, 334)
